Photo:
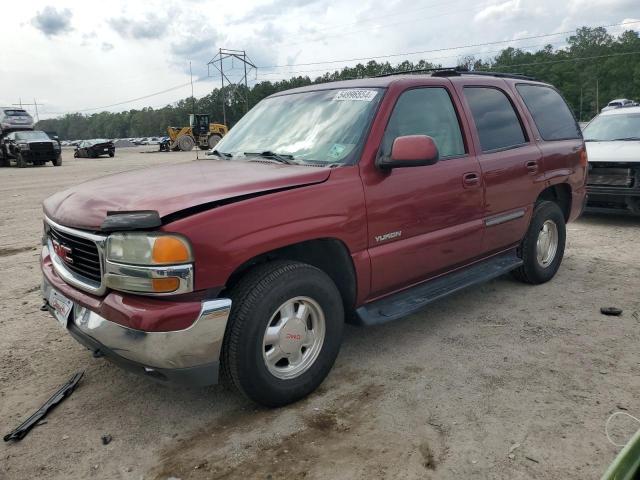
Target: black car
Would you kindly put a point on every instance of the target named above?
(95, 148)
(29, 146)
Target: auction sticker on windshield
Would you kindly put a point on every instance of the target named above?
(355, 94)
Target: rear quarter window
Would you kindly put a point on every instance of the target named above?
(550, 112)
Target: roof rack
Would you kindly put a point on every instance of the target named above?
(459, 71)
(420, 70)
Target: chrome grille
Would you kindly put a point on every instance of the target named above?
(82, 258)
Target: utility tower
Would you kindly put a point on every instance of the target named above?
(34, 104)
(247, 66)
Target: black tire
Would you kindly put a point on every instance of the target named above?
(186, 143)
(213, 140)
(531, 270)
(20, 161)
(112, 154)
(58, 161)
(256, 298)
(75, 154)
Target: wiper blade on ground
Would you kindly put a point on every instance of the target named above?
(67, 389)
(219, 154)
(279, 157)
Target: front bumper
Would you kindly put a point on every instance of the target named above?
(613, 200)
(190, 356)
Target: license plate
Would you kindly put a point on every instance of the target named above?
(106, 149)
(61, 307)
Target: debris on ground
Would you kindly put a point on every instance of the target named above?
(613, 311)
(67, 389)
(106, 439)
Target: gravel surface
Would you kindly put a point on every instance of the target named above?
(503, 380)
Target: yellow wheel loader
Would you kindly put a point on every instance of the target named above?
(199, 132)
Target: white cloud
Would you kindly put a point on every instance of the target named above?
(501, 11)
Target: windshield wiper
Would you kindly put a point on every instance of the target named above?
(626, 138)
(220, 154)
(278, 157)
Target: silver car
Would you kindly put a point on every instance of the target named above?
(14, 119)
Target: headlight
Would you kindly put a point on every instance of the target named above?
(24, 146)
(148, 249)
(154, 263)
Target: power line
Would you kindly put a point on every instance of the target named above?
(284, 73)
(569, 60)
(497, 42)
(459, 47)
(171, 89)
(351, 32)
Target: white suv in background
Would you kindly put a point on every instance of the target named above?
(613, 149)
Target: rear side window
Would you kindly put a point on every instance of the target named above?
(550, 112)
(426, 111)
(497, 122)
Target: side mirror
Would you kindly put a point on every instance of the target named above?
(411, 151)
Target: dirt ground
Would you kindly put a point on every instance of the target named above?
(499, 381)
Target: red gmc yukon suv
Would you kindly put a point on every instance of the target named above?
(359, 201)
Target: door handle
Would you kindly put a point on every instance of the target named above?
(470, 179)
(532, 166)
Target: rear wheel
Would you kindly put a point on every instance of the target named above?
(284, 332)
(186, 143)
(543, 246)
(214, 139)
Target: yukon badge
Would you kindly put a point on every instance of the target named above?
(388, 236)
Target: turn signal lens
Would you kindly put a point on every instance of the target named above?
(164, 285)
(170, 250)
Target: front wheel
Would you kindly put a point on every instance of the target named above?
(284, 332)
(186, 143)
(58, 161)
(543, 246)
(20, 161)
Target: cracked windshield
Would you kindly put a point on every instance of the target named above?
(324, 127)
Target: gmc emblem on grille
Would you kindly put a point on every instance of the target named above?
(62, 251)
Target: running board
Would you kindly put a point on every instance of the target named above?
(409, 301)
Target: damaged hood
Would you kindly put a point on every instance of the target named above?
(172, 188)
(615, 151)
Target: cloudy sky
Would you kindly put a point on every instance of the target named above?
(84, 55)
